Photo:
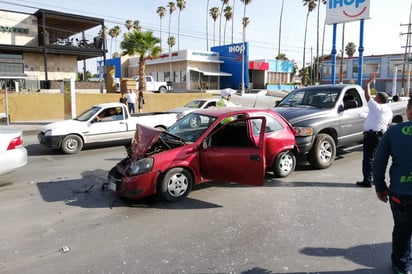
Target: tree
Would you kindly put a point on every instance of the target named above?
(181, 4)
(136, 25)
(103, 32)
(317, 74)
(224, 2)
(144, 45)
(280, 26)
(233, 17)
(228, 13)
(161, 12)
(114, 32)
(350, 49)
(171, 41)
(311, 4)
(207, 25)
(214, 13)
(128, 24)
(245, 23)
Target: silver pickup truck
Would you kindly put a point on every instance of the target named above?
(327, 117)
(103, 123)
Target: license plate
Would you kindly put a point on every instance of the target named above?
(112, 186)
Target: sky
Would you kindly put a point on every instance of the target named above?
(385, 31)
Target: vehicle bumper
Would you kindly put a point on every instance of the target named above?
(135, 187)
(304, 143)
(13, 159)
(49, 141)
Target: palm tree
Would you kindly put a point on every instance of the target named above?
(171, 41)
(350, 49)
(117, 31)
(128, 24)
(172, 8)
(181, 4)
(207, 25)
(113, 32)
(233, 17)
(245, 23)
(311, 4)
(317, 75)
(143, 44)
(136, 25)
(214, 13)
(280, 25)
(224, 2)
(228, 16)
(161, 12)
(103, 32)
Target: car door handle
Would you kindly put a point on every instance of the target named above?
(254, 157)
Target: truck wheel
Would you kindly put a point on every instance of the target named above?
(175, 185)
(284, 164)
(194, 122)
(162, 89)
(71, 144)
(323, 152)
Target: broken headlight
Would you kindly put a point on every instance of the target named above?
(140, 166)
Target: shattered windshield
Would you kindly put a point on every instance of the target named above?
(191, 126)
(318, 98)
(85, 116)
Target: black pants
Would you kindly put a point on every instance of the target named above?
(402, 231)
(371, 141)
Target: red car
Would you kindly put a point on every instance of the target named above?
(225, 144)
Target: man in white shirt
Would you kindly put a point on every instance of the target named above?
(131, 101)
(376, 123)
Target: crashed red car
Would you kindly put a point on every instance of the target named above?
(225, 144)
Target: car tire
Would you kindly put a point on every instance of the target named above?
(284, 164)
(175, 184)
(194, 122)
(71, 144)
(323, 152)
(162, 89)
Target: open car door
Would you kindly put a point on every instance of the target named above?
(231, 154)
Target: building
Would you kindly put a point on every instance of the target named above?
(36, 49)
(387, 68)
(219, 68)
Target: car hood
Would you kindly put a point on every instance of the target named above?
(66, 124)
(143, 139)
(297, 114)
(182, 110)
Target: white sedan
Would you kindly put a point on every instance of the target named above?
(12, 152)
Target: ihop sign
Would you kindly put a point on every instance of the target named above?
(340, 11)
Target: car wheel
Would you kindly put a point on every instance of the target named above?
(175, 184)
(323, 152)
(71, 144)
(284, 164)
(194, 122)
(162, 90)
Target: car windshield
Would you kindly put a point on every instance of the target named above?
(191, 126)
(195, 104)
(318, 98)
(87, 114)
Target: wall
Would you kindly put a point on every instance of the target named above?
(29, 106)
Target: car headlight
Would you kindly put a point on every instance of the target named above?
(303, 131)
(140, 166)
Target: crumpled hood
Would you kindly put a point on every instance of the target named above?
(143, 139)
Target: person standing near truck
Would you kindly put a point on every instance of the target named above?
(376, 123)
(397, 144)
(131, 101)
(140, 101)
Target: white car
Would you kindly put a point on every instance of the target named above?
(194, 105)
(12, 152)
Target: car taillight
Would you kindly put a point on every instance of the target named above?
(15, 142)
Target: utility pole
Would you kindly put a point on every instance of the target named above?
(407, 56)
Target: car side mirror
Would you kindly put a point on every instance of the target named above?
(207, 142)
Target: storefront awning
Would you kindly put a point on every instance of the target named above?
(210, 72)
(11, 76)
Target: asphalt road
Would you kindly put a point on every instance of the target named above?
(56, 219)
